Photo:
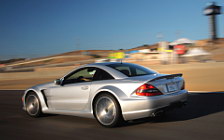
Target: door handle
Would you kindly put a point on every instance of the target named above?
(84, 87)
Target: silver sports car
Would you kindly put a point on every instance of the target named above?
(111, 92)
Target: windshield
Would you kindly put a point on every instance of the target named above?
(131, 70)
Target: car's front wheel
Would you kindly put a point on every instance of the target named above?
(33, 107)
(107, 111)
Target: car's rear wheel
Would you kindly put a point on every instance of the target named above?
(107, 111)
(33, 107)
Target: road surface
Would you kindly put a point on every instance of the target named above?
(202, 118)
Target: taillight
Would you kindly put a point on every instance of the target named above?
(147, 90)
(183, 86)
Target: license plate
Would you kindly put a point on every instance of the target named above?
(172, 87)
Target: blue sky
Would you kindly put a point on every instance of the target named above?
(33, 28)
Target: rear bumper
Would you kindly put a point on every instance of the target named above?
(140, 107)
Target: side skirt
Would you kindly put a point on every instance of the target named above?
(72, 113)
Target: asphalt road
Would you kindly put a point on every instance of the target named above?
(202, 118)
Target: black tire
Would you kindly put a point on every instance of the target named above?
(107, 111)
(32, 104)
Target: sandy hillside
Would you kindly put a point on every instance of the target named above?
(198, 76)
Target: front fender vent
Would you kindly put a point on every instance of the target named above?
(45, 99)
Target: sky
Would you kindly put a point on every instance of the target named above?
(35, 28)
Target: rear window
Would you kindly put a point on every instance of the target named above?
(131, 70)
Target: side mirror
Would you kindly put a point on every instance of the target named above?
(57, 82)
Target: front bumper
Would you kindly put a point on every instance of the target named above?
(141, 107)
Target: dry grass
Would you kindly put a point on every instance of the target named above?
(198, 76)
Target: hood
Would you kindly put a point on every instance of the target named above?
(44, 86)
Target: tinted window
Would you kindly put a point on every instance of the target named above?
(131, 69)
(102, 75)
(82, 75)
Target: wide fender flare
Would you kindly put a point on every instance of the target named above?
(116, 92)
(40, 96)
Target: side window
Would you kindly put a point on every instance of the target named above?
(82, 75)
(131, 70)
(102, 75)
(124, 69)
(140, 72)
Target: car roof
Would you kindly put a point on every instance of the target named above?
(107, 63)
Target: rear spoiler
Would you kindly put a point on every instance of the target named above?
(170, 76)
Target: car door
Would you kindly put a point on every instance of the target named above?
(73, 93)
